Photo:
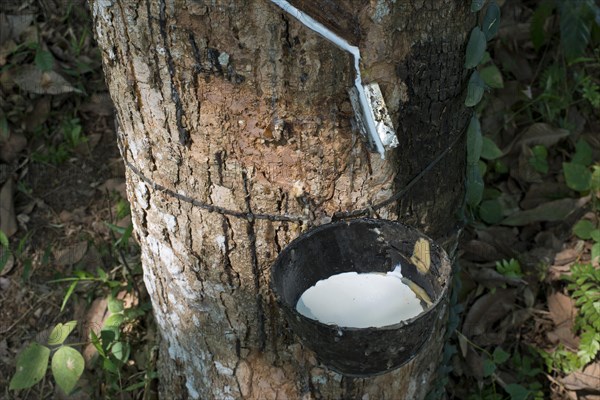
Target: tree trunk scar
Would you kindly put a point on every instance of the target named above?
(197, 70)
(286, 29)
(255, 267)
(226, 260)
(225, 226)
(184, 135)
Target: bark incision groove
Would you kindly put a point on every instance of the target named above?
(261, 106)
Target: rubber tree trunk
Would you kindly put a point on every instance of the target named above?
(233, 108)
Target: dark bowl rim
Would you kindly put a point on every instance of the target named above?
(434, 306)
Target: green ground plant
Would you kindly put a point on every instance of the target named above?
(67, 364)
(583, 285)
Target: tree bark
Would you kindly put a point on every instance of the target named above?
(236, 128)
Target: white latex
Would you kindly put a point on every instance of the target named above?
(355, 300)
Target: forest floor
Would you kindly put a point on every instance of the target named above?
(526, 312)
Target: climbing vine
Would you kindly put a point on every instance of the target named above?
(475, 57)
(482, 77)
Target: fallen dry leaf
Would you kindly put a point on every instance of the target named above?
(552, 211)
(564, 334)
(541, 193)
(542, 133)
(567, 255)
(12, 26)
(477, 250)
(562, 312)
(9, 264)
(587, 379)
(12, 147)
(32, 79)
(491, 278)
(562, 308)
(475, 364)
(100, 104)
(8, 219)
(115, 184)
(4, 283)
(92, 259)
(91, 319)
(525, 171)
(72, 254)
(93, 140)
(39, 114)
(487, 310)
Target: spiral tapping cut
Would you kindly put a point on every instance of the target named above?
(367, 101)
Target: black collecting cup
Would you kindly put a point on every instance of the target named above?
(361, 245)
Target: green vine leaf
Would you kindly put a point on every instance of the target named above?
(60, 332)
(596, 178)
(517, 392)
(474, 141)
(474, 185)
(31, 366)
(43, 60)
(577, 176)
(114, 320)
(115, 305)
(67, 367)
(489, 150)
(539, 158)
(490, 211)
(488, 367)
(475, 48)
(492, 77)
(491, 21)
(475, 90)
(538, 20)
(4, 240)
(583, 229)
(500, 356)
(583, 153)
(477, 5)
(574, 28)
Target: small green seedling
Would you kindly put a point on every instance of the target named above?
(510, 268)
(584, 287)
(67, 363)
(587, 230)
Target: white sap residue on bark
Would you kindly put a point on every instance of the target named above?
(190, 385)
(170, 222)
(357, 300)
(223, 370)
(220, 239)
(381, 10)
(172, 298)
(100, 8)
(196, 321)
(165, 254)
(141, 194)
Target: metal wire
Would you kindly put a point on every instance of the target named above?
(250, 216)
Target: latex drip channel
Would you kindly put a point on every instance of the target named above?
(368, 104)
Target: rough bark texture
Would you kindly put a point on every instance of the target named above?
(237, 105)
